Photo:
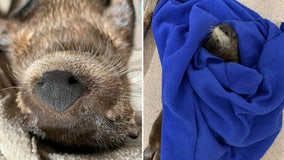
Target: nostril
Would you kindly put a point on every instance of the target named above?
(40, 83)
(72, 80)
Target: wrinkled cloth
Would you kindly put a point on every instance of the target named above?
(211, 109)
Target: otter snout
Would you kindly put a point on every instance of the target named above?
(58, 90)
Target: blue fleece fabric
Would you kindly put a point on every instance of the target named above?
(214, 110)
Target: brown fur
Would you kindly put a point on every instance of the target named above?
(92, 39)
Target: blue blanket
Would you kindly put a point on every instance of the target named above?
(211, 109)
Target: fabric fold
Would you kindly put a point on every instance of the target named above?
(213, 109)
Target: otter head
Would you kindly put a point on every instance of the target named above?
(69, 58)
(223, 43)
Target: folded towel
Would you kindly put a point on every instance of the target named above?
(212, 109)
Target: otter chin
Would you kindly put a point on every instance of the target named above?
(70, 61)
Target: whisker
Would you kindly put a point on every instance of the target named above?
(136, 86)
(134, 73)
(10, 72)
(15, 87)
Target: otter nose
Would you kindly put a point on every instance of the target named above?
(58, 89)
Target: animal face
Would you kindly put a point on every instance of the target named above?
(223, 43)
(69, 59)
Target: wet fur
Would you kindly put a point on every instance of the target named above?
(93, 40)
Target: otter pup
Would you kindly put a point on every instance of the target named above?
(69, 59)
(223, 43)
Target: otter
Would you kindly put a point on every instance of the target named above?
(221, 42)
(69, 59)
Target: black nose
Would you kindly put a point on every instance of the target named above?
(58, 89)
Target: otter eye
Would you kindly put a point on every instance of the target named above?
(234, 34)
(20, 9)
(106, 3)
(225, 29)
